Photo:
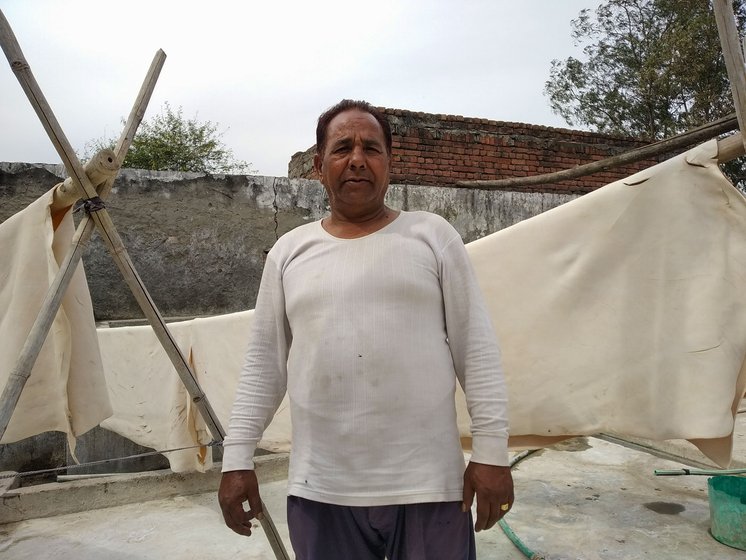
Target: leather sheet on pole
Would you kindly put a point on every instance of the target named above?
(152, 406)
(624, 310)
(65, 391)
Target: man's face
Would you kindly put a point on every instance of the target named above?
(355, 165)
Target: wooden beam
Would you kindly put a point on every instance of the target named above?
(733, 55)
(730, 148)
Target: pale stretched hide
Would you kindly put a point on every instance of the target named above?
(151, 405)
(65, 391)
(624, 310)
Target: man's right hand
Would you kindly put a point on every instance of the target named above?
(237, 487)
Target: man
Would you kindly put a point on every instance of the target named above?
(368, 318)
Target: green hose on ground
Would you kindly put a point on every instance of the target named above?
(519, 544)
(515, 539)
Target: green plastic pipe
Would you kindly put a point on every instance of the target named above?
(515, 539)
(713, 472)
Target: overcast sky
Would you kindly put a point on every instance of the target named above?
(265, 70)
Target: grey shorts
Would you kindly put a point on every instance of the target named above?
(430, 531)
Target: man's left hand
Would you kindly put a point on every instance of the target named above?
(493, 487)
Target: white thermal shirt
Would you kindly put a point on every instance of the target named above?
(369, 337)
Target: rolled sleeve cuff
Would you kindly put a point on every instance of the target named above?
(237, 456)
(490, 450)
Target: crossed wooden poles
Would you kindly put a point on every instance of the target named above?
(82, 185)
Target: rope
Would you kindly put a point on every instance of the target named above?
(90, 205)
(104, 461)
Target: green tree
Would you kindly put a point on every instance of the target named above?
(170, 142)
(652, 68)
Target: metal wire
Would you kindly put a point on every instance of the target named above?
(104, 461)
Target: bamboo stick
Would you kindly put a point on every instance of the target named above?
(114, 243)
(734, 63)
(730, 148)
(99, 169)
(50, 305)
(696, 135)
(105, 225)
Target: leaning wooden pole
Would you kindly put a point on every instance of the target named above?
(39, 330)
(101, 218)
(733, 55)
(97, 210)
(730, 148)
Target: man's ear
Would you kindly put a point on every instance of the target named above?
(317, 165)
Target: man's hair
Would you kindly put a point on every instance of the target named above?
(346, 105)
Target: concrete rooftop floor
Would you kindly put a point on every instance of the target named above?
(587, 498)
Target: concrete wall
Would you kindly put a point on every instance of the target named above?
(198, 242)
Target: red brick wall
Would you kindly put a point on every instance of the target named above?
(440, 150)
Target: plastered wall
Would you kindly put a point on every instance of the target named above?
(198, 241)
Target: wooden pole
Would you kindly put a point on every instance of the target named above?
(39, 330)
(694, 136)
(103, 222)
(731, 148)
(733, 55)
(100, 168)
(114, 243)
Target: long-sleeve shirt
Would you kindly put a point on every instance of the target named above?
(369, 337)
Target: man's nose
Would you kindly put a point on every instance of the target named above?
(357, 157)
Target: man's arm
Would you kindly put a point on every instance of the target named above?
(476, 358)
(260, 390)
